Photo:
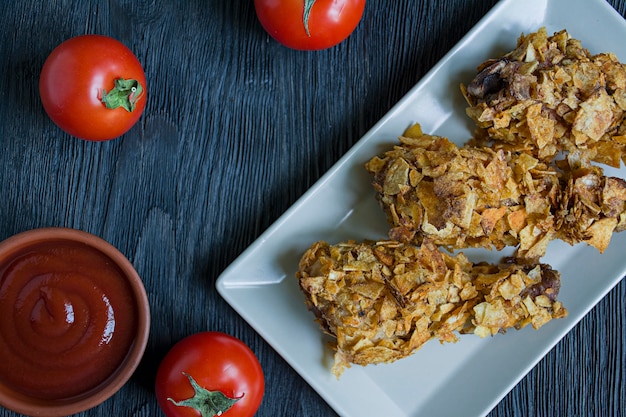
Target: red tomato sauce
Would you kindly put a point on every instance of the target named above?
(67, 319)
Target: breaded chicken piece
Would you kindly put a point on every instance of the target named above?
(550, 95)
(461, 197)
(382, 301)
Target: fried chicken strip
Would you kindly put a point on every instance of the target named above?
(550, 95)
(468, 196)
(382, 301)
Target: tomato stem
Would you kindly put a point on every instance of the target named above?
(125, 94)
(207, 403)
(308, 5)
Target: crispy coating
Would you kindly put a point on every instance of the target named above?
(471, 196)
(382, 301)
(550, 95)
(547, 99)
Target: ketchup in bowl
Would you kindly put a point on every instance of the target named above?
(69, 317)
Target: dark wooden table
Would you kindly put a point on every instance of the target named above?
(237, 127)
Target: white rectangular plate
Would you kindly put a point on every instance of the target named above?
(475, 373)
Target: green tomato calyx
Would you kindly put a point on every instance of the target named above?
(124, 94)
(308, 5)
(207, 403)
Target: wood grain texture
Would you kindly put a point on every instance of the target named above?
(236, 128)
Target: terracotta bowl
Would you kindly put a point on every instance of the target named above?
(39, 328)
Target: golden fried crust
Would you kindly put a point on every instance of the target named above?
(550, 95)
(471, 196)
(383, 300)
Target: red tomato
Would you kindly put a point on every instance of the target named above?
(210, 365)
(309, 24)
(93, 87)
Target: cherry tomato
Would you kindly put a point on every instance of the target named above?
(309, 24)
(93, 87)
(213, 370)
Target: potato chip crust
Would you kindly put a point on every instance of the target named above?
(383, 300)
(550, 95)
(548, 114)
(472, 196)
